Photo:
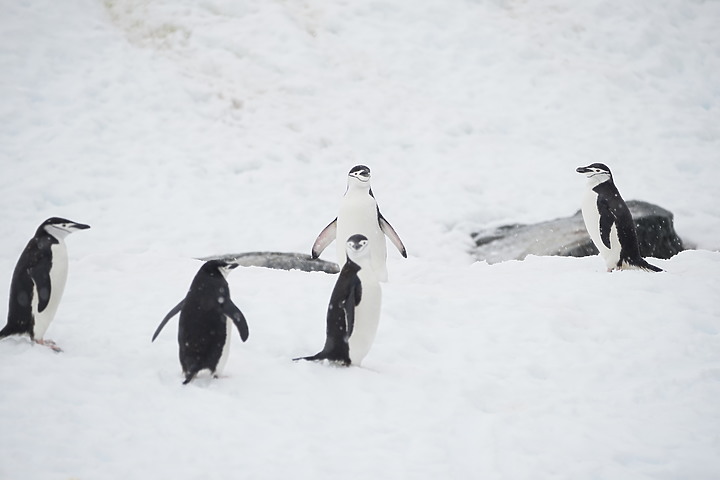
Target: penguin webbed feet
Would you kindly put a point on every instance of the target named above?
(50, 344)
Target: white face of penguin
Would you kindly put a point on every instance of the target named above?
(359, 175)
(596, 173)
(62, 229)
(225, 269)
(357, 247)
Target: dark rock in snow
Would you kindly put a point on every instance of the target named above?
(568, 237)
(278, 260)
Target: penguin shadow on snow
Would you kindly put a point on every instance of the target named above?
(38, 281)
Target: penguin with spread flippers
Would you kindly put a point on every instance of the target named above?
(360, 214)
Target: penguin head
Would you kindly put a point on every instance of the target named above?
(60, 227)
(220, 265)
(357, 246)
(359, 174)
(596, 173)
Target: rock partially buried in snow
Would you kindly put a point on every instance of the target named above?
(568, 237)
(278, 260)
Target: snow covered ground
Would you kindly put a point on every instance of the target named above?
(180, 129)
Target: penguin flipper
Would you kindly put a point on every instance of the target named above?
(325, 238)
(349, 305)
(388, 230)
(606, 221)
(41, 278)
(170, 314)
(234, 313)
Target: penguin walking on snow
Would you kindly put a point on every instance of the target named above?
(354, 310)
(359, 213)
(609, 222)
(39, 280)
(206, 318)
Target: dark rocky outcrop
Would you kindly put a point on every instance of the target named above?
(568, 237)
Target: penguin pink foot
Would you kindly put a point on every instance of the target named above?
(49, 343)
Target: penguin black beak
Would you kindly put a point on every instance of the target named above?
(582, 170)
(80, 226)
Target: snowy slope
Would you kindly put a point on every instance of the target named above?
(181, 129)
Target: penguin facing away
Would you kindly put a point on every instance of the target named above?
(38, 281)
(609, 222)
(359, 213)
(354, 310)
(206, 317)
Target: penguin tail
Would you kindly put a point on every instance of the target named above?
(323, 356)
(189, 377)
(311, 358)
(10, 329)
(642, 264)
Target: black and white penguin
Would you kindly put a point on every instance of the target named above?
(359, 213)
(206, 317)
(354, 310)
(39, 280)
(609, 222)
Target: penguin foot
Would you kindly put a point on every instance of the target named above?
(49, 343)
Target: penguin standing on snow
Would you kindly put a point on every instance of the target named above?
(206, 318)
(609, 222)
(39, 280)
(354, 310)
(359, 213)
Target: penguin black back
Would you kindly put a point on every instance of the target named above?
(614, 210)
(602, 210)
(340, 319)
(203, 326)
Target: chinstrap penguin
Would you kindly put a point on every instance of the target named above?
(359, 213)
(39, 280)
(354, 310)
(206, 317)
(609, 222)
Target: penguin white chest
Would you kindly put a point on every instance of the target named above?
(367, 317)
(226, 347)
(359, 214)
(591, 216)
(58, 278)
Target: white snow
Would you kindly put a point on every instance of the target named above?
(179, 129)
